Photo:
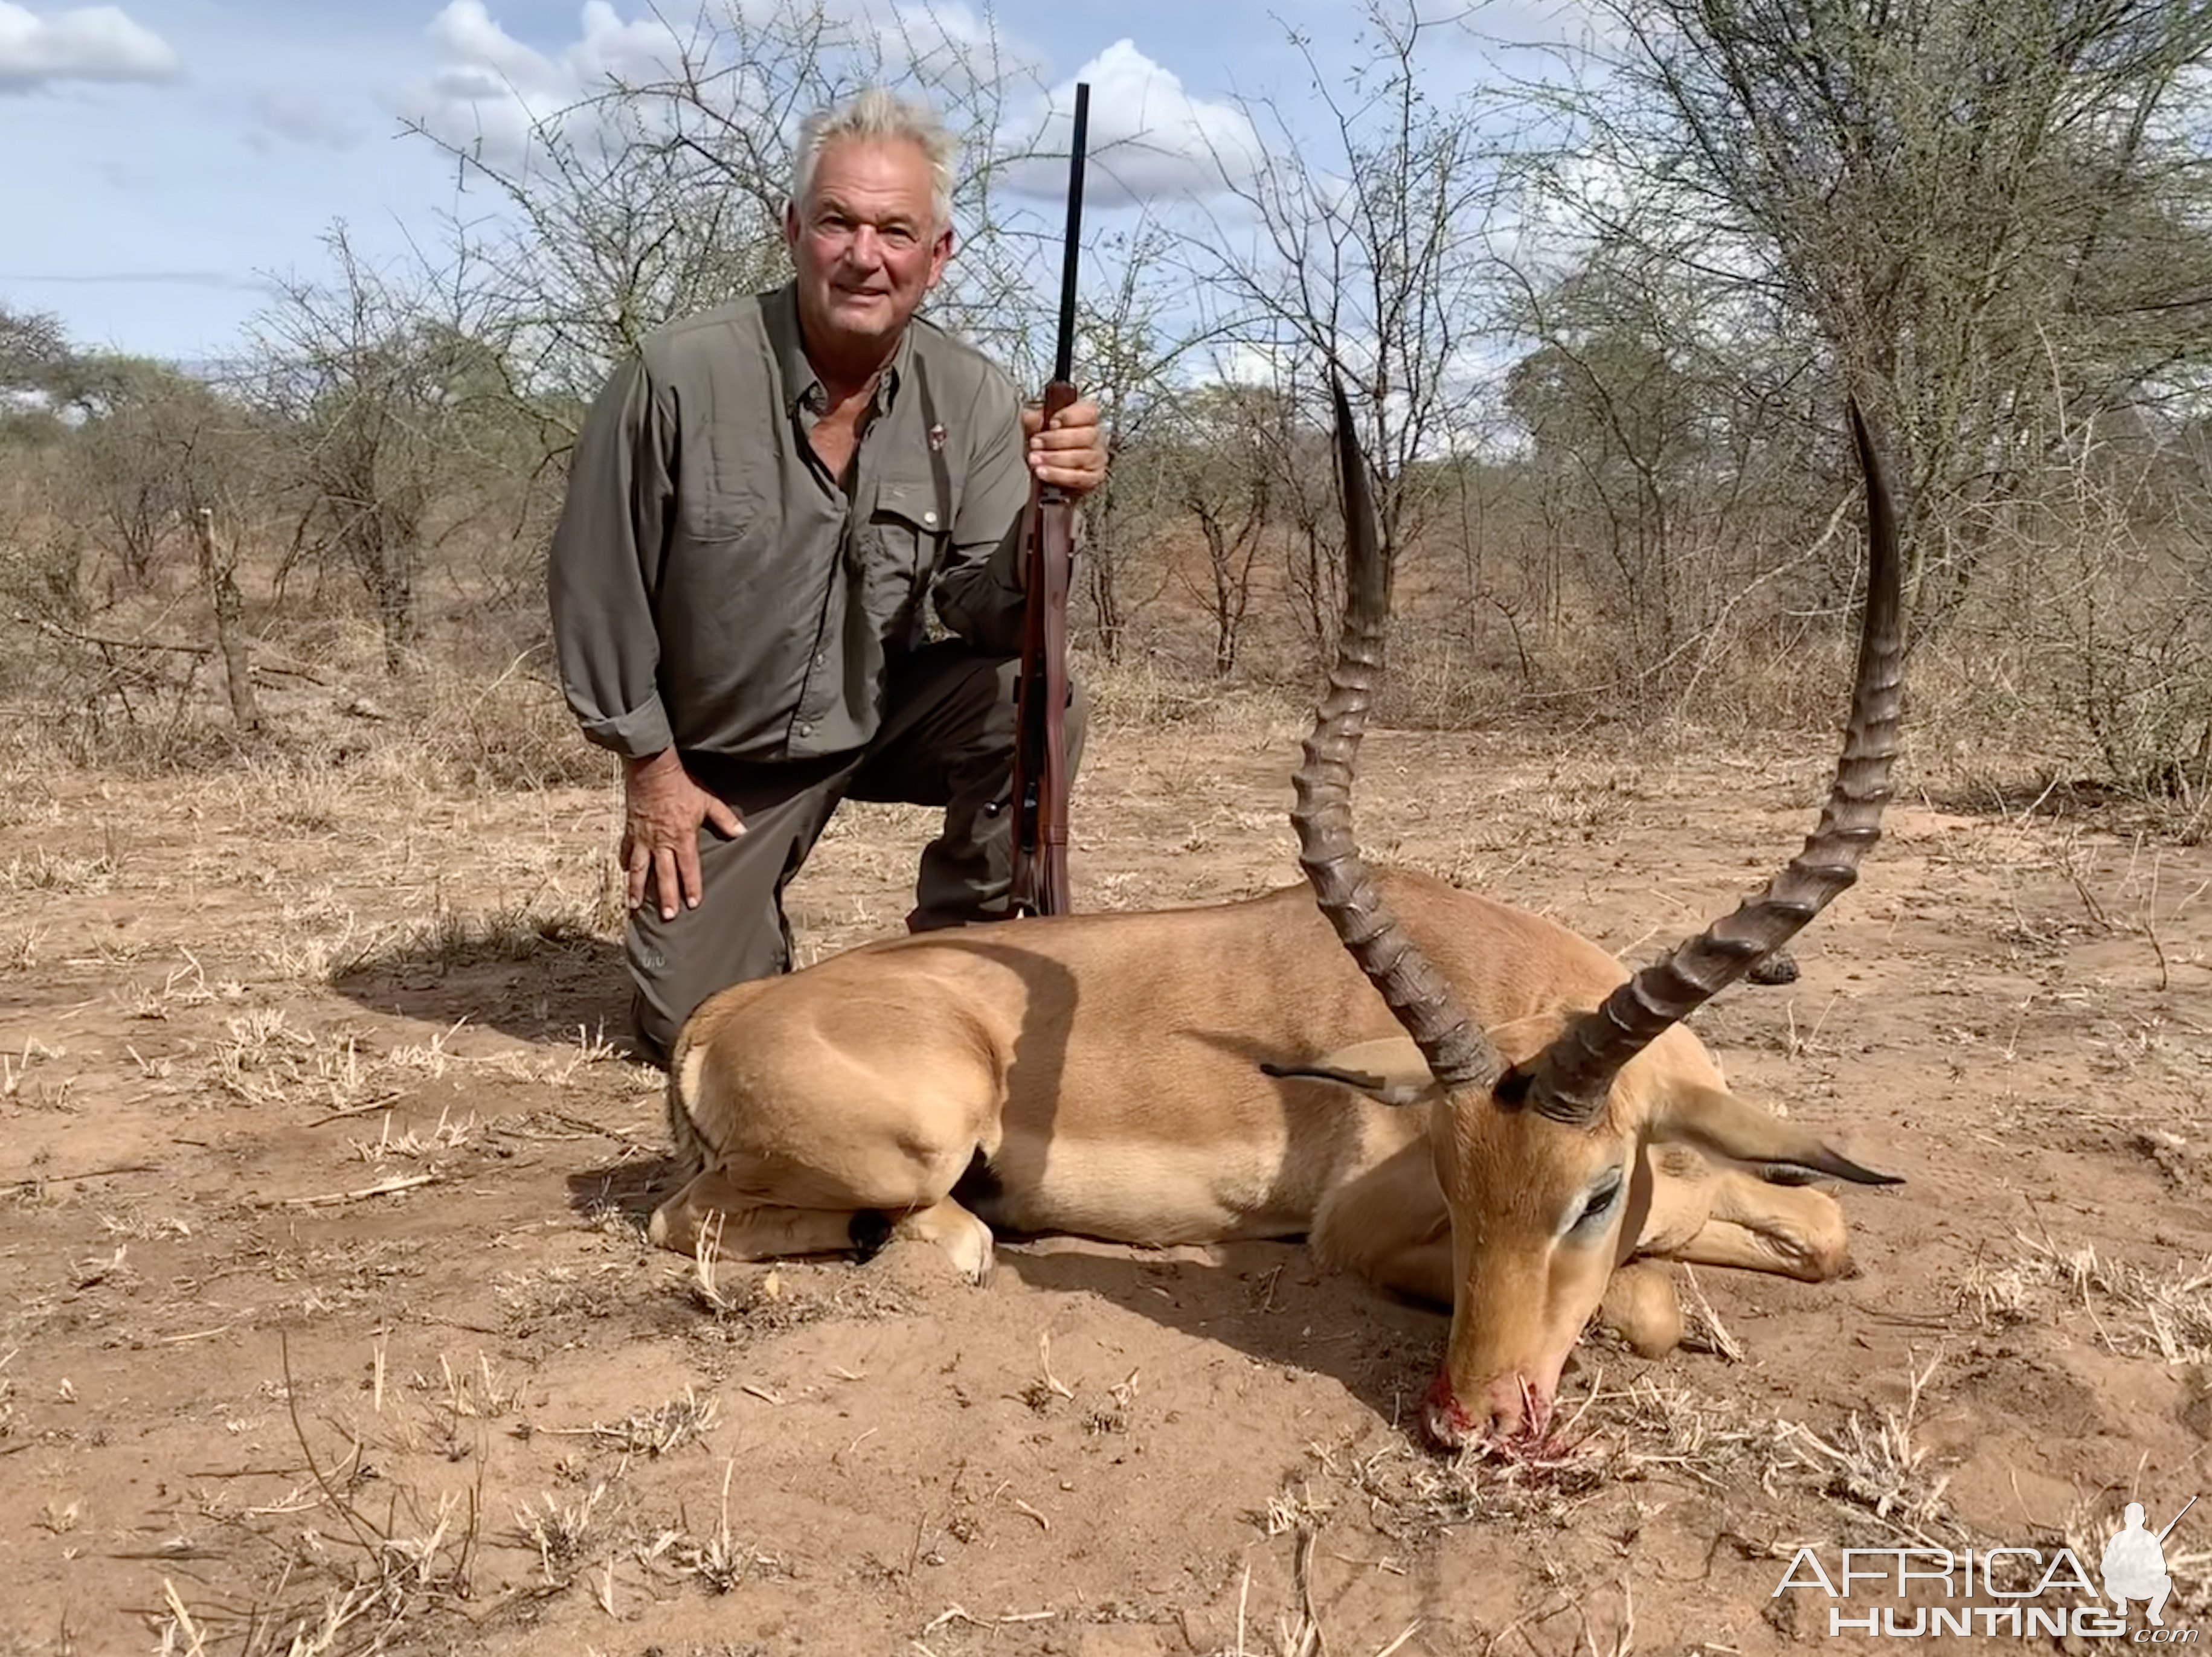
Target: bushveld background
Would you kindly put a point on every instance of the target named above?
(326, 1320)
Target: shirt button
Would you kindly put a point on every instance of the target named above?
(929, 518)
(819, 658)
(804, 728)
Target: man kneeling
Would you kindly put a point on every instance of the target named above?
(764, 500)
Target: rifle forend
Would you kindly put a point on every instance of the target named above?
(1040, 780)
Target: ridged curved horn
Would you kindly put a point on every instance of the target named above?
(1569, 1081)
(1415, 991)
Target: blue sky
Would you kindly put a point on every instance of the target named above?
(162, 154)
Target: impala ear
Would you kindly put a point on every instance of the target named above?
(1390, 1072)
(1722, 1125)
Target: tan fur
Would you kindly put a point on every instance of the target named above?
(1108, 1068)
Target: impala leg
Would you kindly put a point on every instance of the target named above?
(1421, 1269)
(1640, 1306)
(1388, 1223)
(953, 1229)
(1794, 1231)
(741, 1227)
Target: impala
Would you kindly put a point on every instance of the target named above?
(1459, 1100)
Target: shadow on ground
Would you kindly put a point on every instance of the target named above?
(1270, 1301)
(560, 988)
(632, 1187)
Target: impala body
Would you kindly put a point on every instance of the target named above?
(1459, 1100)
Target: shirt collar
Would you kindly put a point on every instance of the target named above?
(802, 386)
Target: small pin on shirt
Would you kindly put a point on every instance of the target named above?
(936, 439)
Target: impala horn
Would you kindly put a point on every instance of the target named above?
(1417, 994)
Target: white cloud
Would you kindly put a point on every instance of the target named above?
(1243, 363)
(1148, 140)
(93, 43)
(493, 90)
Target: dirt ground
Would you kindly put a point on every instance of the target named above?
(327, 1323)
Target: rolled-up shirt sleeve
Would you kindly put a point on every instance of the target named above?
(981, 591)
(606, 564)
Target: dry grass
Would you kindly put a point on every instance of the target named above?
(1143, 694)
(519, 932)
(562, 1531)
(19, 948)
(350, 1583)
(2164, 1313)
(323, 942)
(263, 1058)
(1875, 1463)
(721, 1563)
(1871, 1465)
(651, 1433)
(1410, 1495)
(1702, 1328)
(49, 871)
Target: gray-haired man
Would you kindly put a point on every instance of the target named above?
(762, 500)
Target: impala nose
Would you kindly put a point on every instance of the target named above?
(1509, 1409)
(1446, 1423)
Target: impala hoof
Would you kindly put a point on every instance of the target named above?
(970, 1247)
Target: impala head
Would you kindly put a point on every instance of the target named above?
(1539, 1149)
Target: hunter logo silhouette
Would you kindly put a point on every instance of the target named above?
(2135, 1563)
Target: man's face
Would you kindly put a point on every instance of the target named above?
(865, 243)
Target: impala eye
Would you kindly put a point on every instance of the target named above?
(1600, 1202)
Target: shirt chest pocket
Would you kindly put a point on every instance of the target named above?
(903, 543)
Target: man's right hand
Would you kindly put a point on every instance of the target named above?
(662, 809)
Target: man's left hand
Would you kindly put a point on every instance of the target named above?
(1071, 452)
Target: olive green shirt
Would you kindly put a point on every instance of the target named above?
(713, 587)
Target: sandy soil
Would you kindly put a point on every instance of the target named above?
(326, 1319)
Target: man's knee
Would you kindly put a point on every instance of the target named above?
(982, 704)
(739, 932)
(1078, 723)
(662, 1000)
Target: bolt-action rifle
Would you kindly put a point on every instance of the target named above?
(1041, 778)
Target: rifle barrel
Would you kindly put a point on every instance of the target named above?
(1070, 254)
(2176, 1520)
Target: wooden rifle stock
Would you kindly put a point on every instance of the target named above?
(1041, 778)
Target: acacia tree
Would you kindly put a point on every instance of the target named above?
(35, 352)
(1128, 353)
(152, 446)
(384, 395)
(37, 371)
(1366, 253)
(1992, 219)
(1665, 466)
(1217, 462)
